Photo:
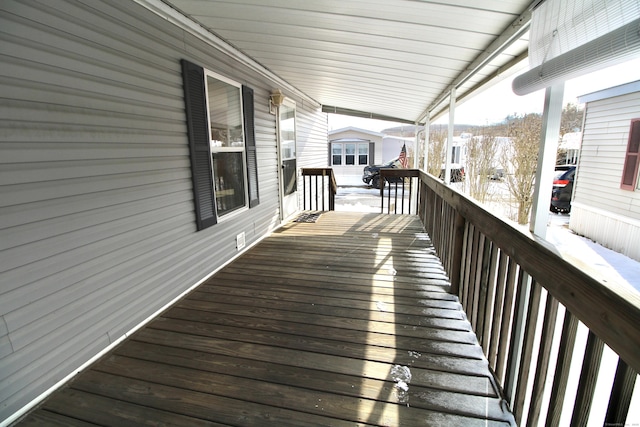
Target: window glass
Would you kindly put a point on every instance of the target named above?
(288, 132)
(363, 154)
(336, 154)
(225, 114)
(228, 169)
(227, 145)
(350, 154)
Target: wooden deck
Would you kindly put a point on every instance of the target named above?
(321, 324)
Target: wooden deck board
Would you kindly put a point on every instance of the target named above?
(316, 325)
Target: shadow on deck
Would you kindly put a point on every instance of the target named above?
(340, 322)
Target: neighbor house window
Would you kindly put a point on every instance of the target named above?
(222, 144)
(363, 154)
(336, 154)
(632, 158)
(349, 154)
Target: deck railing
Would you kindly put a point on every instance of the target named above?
(507, 280)
(400, 186)
(319, 189)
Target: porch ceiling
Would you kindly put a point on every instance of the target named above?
(396, 58)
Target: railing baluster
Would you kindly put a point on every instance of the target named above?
(475, 250)
(587, 382)
(526, 356)
(563, 365)
(501, 285)
(516, 341)
(489, 283)
(505, 323)
(316, 193)
(323, 192)
(466, 283)
(458, 253)
(304, 193)
(544, 357)
(326, 188)
(621, 394)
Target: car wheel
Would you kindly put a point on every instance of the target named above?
(376, 183)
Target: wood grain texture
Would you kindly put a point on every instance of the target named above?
(608, 309)
(313, 326)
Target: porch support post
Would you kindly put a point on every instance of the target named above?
(547, 153)
(447, 160)
(539, 216)
(416, 145)
(414, 195)
(427, 124)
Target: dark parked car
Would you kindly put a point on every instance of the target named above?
(457, 173)
(562, 188)
(371, 173)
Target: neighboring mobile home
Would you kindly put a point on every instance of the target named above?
(350, 150)
(606, 199)
(100, 225)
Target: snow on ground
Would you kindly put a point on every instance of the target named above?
(608, 265)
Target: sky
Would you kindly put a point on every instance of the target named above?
(499, 101)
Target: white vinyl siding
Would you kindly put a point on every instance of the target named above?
(601, 210)
(604, 144)
(97, 223)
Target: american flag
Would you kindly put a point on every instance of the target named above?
(403, 157)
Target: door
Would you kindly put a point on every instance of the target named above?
(287, 154)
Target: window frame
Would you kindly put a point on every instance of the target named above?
(341, 155)
(367, 146)
(230, 149)
(356, 155)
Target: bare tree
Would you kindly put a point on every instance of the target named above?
(520, 159)
(437, 148)
(481, 160)
(571, 120)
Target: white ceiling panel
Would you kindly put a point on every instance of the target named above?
(396, 58)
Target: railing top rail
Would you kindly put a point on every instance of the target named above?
(608, 309)
(317, 171)
(322, 172)
(399, 173)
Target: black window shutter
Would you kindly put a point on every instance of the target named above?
(372, 152)
(198, 132)
(250, 146)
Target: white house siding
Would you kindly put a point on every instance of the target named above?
(600, 209)
(97, 222)
(349, 175)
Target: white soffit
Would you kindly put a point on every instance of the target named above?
(394, 58)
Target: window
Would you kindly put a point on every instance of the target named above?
(336, 154)
(363, 154)
(222, 144)
(632, 158)
(350, 153)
